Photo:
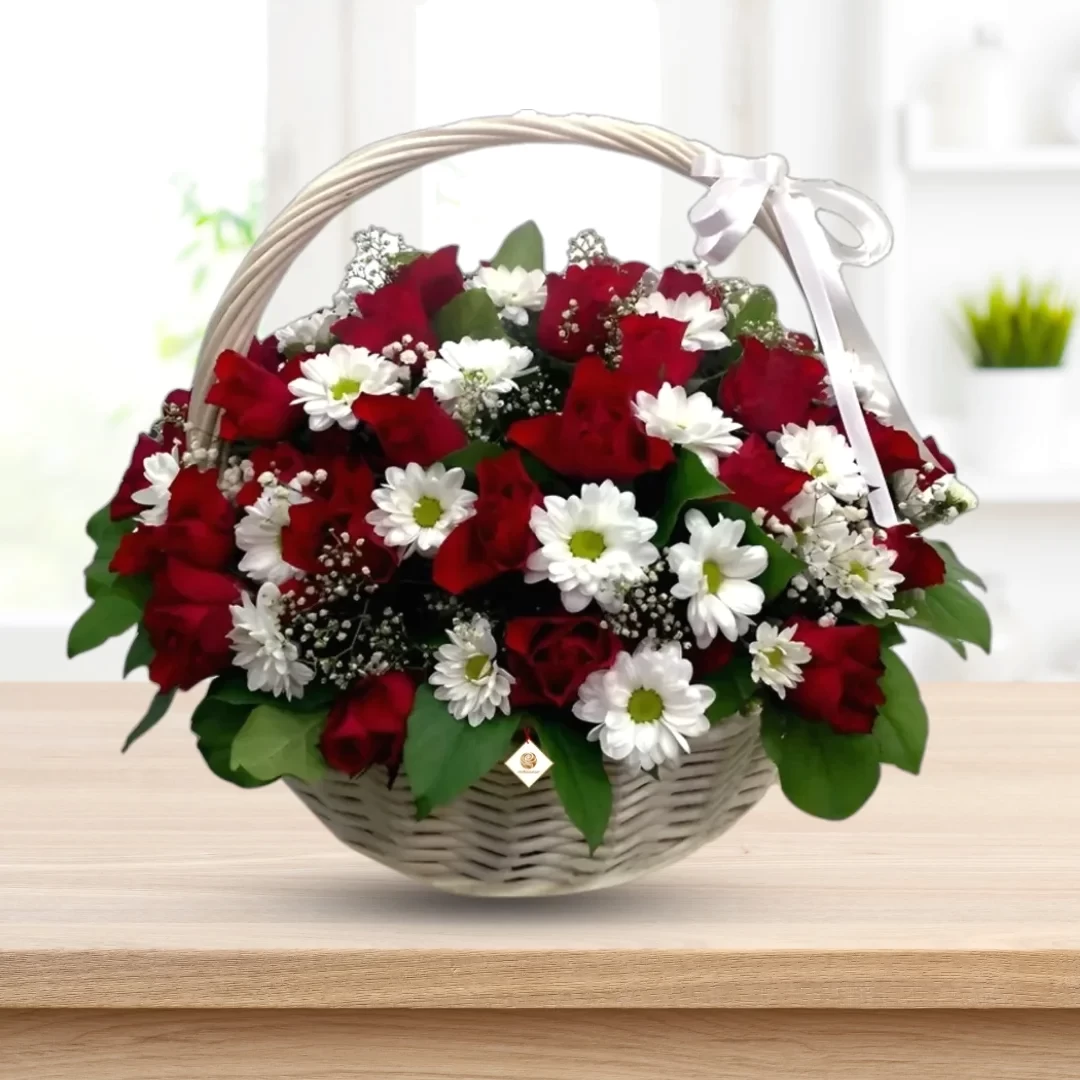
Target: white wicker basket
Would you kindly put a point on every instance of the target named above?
(499, 838)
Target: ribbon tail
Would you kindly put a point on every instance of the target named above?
(818, 274)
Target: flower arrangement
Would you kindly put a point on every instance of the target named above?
(602, 508)
(1029, 330)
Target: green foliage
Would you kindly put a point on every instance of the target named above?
(733, 687)
(523, 247)
(470, 314)
(159, 706)
(470, 455)
(216, 724)
(822, 772)
(445, 756)
(902, 725)
(688, 482)
(756, 314)
(1028, 330)
(141, 652)
(276, 742)
(579, 776)
(953, 613)
(955, 570)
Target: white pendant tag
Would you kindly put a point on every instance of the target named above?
(528, 763)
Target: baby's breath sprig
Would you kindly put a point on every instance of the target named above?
(649, 611)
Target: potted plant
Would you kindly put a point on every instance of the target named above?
(1017, 344)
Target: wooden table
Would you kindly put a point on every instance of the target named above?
(157, 924)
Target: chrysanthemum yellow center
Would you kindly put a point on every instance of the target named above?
(587, 544)
(645, 706)
(427, 511)
(477, 667)
(819, 470)
(774, 657)
(714, 576)
(344, 387)
(859, 571)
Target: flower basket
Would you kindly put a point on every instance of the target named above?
(530, 581)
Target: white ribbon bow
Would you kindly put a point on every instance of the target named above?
(749, 190)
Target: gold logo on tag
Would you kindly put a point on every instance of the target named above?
(528, 761)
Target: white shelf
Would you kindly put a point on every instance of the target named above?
(1063, 158)
(1041, 489)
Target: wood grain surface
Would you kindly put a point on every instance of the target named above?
(566, 1045)
(136, 880)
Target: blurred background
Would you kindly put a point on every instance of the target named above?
(147, 143)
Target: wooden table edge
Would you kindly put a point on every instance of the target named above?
(552, 979)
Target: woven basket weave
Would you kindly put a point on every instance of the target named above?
(499, 838)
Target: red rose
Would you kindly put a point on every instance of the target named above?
(771, 387)
(675, 282)
(596, 436)
(896, 449)
(756, 477)
(921, 565)
(840, 683)
(587, 293)
(253, 395)
(341, 509)
(389, 314)
(367, 726)
(188, 621)
(435, 278)
(718, 654)
(550, 656)
(134, 479)
(198, 528)
(411, 429)
(652, 352)
(497, 538)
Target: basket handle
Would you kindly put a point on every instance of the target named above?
(237, 314)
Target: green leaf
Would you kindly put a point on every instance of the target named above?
(756, 314)
(106, 535)
(135, 587)
(581, 781)
(523, 247)
(443, 756)
(159, 706)
(951, 612)
(783, 566)
(216, 725)
(733, 687)
(275, 742)
(688, 482)
(233, 690)
(107, 617)
(470, 455)
(141, 652)
(890, 635)
(470, 314)
(99, 578)
(902, 725)
(403, 258)
(823, 773)
(955, 570)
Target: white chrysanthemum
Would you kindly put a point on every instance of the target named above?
(309, 333)
(258, 535)
(821, 451)
(777, 658)
(705, 324)
(591, 545)
(466, 676)
(867, 388)
(692, 421)
(857, 569)
(332, 381)
(514, 291)
(716, 576)
(644, 708)
(416, 508)
(260, 646)
(472, 372)
(160, 471)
